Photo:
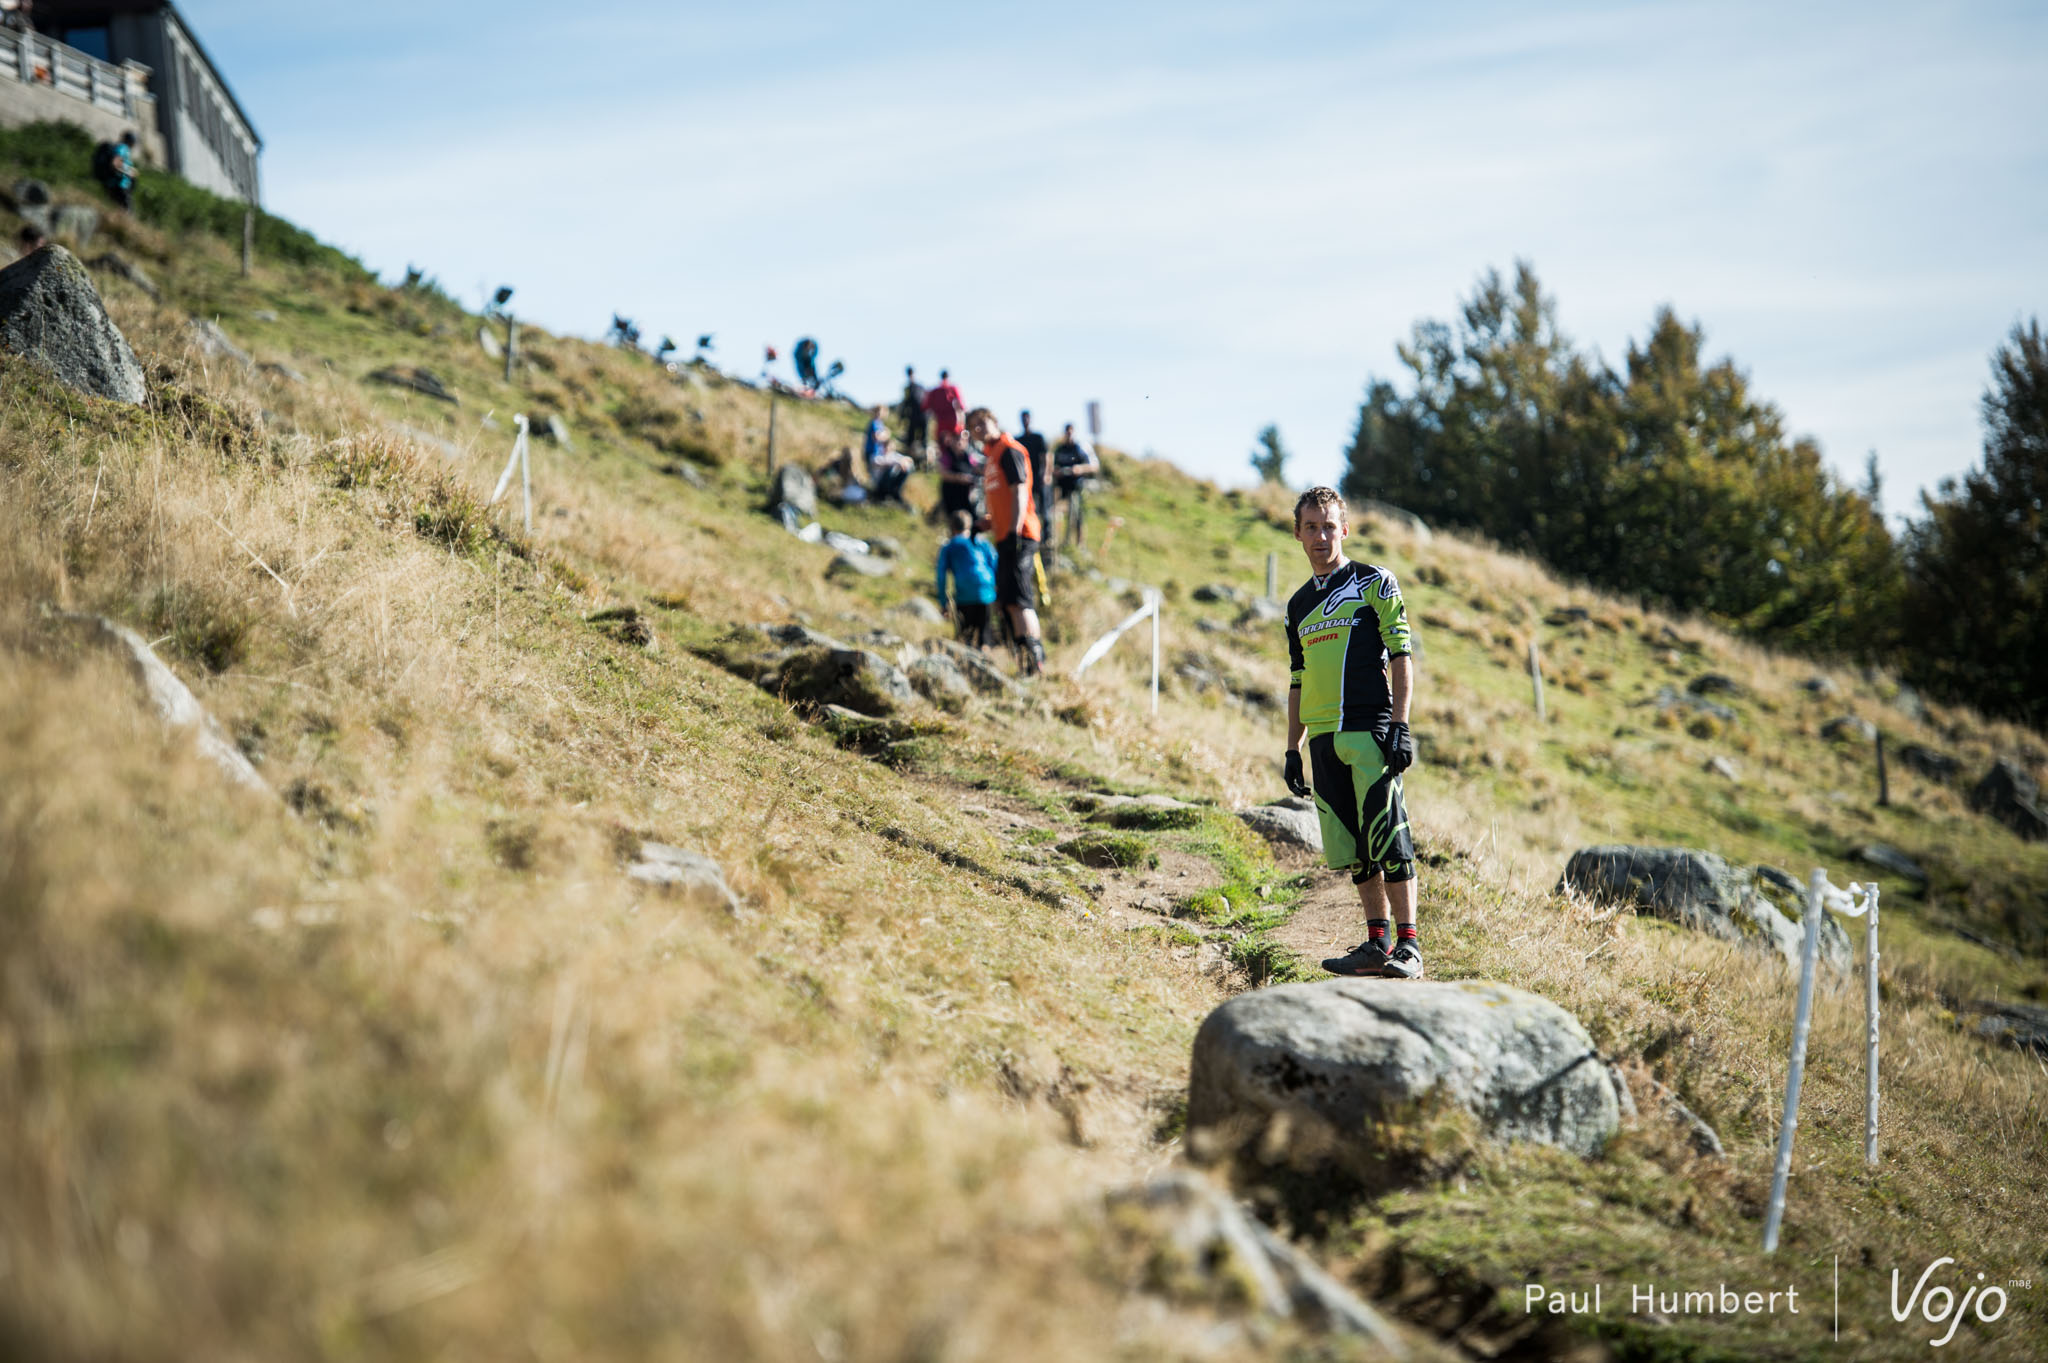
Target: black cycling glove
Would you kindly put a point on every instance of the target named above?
(1398, 747)
(1296, 782)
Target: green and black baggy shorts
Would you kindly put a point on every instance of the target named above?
(1365, 823)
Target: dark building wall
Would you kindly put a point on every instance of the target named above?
(206, 138)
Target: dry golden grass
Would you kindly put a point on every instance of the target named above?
(400, 1064)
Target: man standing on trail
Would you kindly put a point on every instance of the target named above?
(1014, 526)
(911, 410)
(1351, 683)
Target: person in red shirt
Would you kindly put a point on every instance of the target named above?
(942, 402)
(1015, 527)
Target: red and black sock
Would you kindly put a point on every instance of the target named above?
(1376, 931)
(1407, 931)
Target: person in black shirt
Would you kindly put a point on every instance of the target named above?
(1041, 467)
(911, 410)
(1074, 466)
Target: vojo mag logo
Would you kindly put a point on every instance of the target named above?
(1938, 1305)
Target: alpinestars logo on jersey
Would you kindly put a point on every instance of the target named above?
(1352, 590)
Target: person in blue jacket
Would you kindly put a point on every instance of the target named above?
(971, 560)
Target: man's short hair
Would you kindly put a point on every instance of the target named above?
(943, 374)
(981, 414)
(963, 521)
(1320, 496)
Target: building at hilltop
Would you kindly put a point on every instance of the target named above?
(110, 65)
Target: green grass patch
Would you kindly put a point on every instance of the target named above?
(1107, 850)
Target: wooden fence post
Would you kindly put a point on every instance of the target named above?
(248, 240)
(1536, 679)
(1884, 788)
(1272, 576)
(771, 432)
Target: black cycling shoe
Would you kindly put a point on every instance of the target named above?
(1404, 963)
(1366, 960)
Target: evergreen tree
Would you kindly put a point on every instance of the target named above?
(1269, 460)
(1976, 611)
(1672, 483)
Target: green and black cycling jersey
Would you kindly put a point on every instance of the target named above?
(1341, 630)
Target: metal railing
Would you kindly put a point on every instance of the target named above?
(33, 59)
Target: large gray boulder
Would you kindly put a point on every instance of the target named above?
(2007, 793)
(1353, 1052)
(1291, 822)
(50, 313)
(1702, 891)
(981, 672)
(939, 679)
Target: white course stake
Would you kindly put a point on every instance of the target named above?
(1100, 648)
(522, 461)
(1820, 898)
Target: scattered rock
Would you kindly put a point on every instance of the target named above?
(263, 315)
(1206, 1241)
(1138, 811)
(174, 703)
(1218, 592)
(1714, 684)
(980, 671)
(1347, 1053)
(487, 339)
(1822, 687)
(215, 343)
(1888, 858)
(1291, 822)
(32, 203)
(76, 221)
(1724, 767)
(1261, 610)
(939, 679)
(859, 565)
(1701, 891)
(1935, 766)
(793, 491)
(798, 636)
(1908, 703)
(692, 875)
(1848, 727)
(852, 677)
(1669, 699)
(922, 608)
(552, 427)
(2022, 1026)
(50, 313)
(844, 543)
(627, 625)
(1699, 1133)
(417, 379)
(2008, 793)
(122, 267)
(1568, 615)
(280, 371)
(886, 546)
(683, 469)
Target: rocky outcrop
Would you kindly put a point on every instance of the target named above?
(1848, 729)
(792, 493)
(852, 677)
(172, 700)
(1204, 1244)
(50, 313)
(1288, 823)
(690, 875)
(939, 679)
(2022, 1026)
(1701, 891)
(1888, 858)
(2008, 794)
(1934, 765)
(418, 380)
(1346, 1054)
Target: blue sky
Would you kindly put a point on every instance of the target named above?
(1207, 216)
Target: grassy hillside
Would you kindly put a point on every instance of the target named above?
(401, 1064)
